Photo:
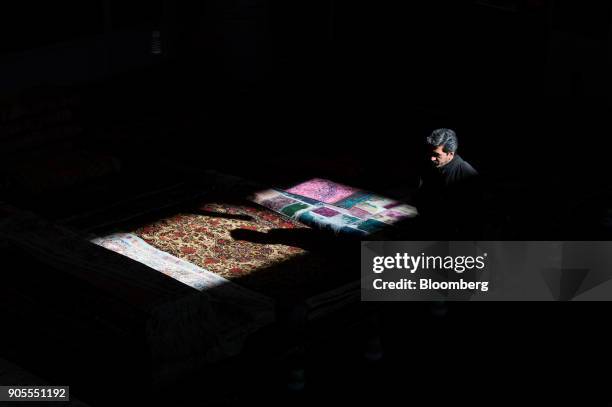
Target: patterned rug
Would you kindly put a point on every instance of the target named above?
(322, 190)
(132, 246)
(353, 212)
(239, 242)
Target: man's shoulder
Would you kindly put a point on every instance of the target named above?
(466, 169)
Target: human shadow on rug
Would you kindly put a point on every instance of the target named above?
(306, 239)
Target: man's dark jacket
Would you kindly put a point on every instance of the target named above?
(449, 197)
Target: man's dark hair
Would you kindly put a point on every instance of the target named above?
(444, 137)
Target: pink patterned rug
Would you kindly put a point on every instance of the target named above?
(323, 190)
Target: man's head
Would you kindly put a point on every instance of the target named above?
(442, 145)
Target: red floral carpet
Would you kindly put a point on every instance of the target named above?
(207, 237)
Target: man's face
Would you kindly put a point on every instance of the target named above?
(439, 158)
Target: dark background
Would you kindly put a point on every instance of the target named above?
(339, 89)
(281, 91)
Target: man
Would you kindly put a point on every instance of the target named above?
(448, 193)
(448, 169)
